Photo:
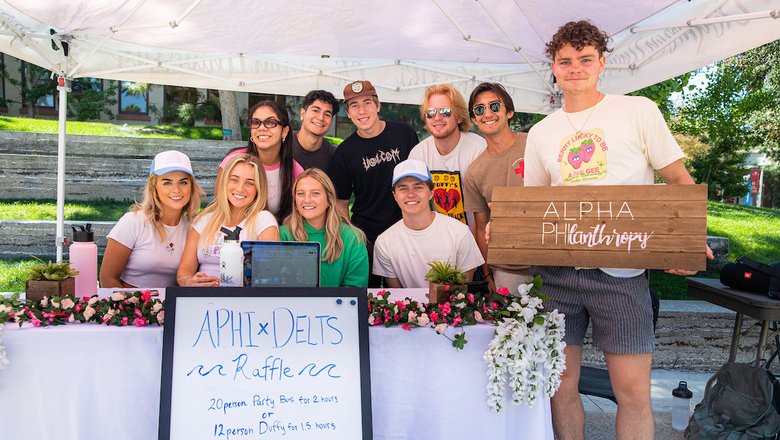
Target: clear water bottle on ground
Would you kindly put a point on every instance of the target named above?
(681, 406)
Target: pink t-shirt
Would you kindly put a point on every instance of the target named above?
(273, 176)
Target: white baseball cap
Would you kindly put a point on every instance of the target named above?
(413, 168)
(168, 161)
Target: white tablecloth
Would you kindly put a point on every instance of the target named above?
(89, 381)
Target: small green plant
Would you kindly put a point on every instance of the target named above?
(445, 273)
(52, 271)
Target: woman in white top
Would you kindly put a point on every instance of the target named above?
(145, 247)
(240, 201)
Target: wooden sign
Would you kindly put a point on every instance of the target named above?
(270, 363)
(639, 226)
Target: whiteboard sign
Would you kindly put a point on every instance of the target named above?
(267, 363)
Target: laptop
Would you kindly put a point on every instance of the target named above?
(281, 263)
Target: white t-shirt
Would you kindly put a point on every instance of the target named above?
(404, 253)
(469, 147)
(625, 139)
(151, 263)
(208, 256)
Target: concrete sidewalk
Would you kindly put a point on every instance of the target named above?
(600, 413)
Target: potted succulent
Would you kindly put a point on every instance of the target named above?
(50, 279)
(442, 275)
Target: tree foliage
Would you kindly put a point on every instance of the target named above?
(736, 111)
(33, 82)
(91, 98)
(662, 92)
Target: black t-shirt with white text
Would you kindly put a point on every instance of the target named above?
(365, 167)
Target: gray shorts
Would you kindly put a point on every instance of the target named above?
(620, 309)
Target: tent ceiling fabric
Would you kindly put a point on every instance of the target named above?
(402, 46)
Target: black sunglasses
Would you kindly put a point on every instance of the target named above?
(268, 122)
(445, 112)
(494, 106)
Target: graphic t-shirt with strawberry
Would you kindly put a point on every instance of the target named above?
(583, 157)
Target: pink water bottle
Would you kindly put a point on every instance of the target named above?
(83, 258)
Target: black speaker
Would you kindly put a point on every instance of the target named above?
(756, 277)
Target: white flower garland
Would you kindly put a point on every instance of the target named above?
(3, 357)
(526, 354)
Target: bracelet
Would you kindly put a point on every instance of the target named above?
(183, 278)
(489, 275)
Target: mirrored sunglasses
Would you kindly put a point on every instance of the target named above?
(494, 106)
(268, 122)
(445, 112)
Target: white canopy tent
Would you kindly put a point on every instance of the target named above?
(402, 46)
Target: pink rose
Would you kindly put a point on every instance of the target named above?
(471, 297)
(138, 313)
(124, 320)
(146, 295)
(503, 291)
(456, 321)
(445, 308)
(446, 287)
(406, 327)
(400, 305)
(478, 316)
(35, 322)
(140, 322)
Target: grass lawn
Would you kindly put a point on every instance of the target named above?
(94, 210)
(754, 232)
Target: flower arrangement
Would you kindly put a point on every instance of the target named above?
(132, 308)
(527, 353)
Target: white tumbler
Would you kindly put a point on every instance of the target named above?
(681, 406)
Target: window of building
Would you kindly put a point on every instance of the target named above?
(133, 99)
(3, 102)
(81, 85)
(254, 98)
(35, 77)
(175, 95)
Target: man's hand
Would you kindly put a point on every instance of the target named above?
(688, 273)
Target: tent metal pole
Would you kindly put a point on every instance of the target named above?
(60, 232)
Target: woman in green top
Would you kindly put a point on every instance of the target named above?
(344, 259)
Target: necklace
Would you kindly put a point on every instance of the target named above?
(170, 248)
(592, 109)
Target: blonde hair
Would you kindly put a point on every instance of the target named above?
(221, 205)
(459, 108)
(151, 205)
(335, 221)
